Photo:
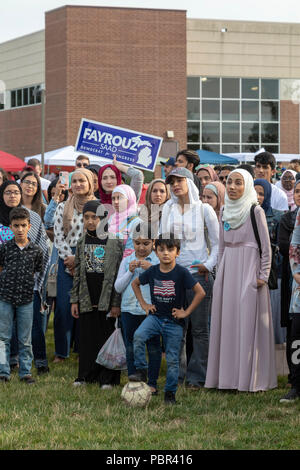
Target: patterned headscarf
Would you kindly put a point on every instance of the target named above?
(77, 202)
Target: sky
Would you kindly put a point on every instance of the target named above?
(20, 17)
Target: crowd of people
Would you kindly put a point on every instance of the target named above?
(203, 268)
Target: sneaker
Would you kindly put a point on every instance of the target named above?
(106, 387)
(139, 376)
(170, 398)
(14, 367)
(194, 386)
(42, 370)
(291, 396)
(3, 378)
(79, 382)
(58, 359)
(28, 379)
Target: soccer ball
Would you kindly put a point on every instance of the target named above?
(136, 394)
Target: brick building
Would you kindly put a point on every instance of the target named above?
(228, 86)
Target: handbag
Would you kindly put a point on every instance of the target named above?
(272, 281)
(52, 280)
(112, 355)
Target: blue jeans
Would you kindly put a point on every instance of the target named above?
(172, 335)
(63, 320)
(130, 323)
(195, 370)
(24, 319)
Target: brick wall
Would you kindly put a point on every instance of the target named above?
(289, 127)
(20, 131)
(125, 67)
(121, 66)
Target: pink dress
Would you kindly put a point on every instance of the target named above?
(241, 349)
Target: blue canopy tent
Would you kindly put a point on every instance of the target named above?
(213, 158)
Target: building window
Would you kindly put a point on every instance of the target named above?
(233, 115)
(25, 96)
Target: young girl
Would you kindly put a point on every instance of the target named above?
(123, 221)
(131, 312)
(93, 296)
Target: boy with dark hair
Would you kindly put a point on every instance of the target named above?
(224, 172)
(168, 283)
(20, 259)
(189, 159)
(265, 168)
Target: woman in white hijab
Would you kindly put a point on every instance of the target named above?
(241, 349)
(196, 225)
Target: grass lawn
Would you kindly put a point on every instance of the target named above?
(52, 414)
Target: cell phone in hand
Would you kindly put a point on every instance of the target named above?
(64, 178)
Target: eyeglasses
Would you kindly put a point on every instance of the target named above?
(12, 193)
(82, 165)
(223, 178)
(30, 183)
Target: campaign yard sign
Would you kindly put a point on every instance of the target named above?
(131, 147)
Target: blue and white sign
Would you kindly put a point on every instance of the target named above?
(131, 147)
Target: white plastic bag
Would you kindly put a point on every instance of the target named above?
(112, 355)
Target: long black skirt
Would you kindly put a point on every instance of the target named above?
(94, 330)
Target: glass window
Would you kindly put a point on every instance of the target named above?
(231, 132)
(271, 148)
(250, 148)
(269, 89)
(25, 96)
(13, 99)
(230, 110)
(250, 88)
(269, 133)
(193, 87)
(269, 111)
(210, 132)
(250, 110)
(193, 147)
(211, 110)
(193, 109)
(38, 97)
(31, 95)
(250, 132)
(230, 87)
(211, 147)
(210, 87)
(19, 97)
(193, 131)
(230, 148)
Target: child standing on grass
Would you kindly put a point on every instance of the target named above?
(97, 262)
(132, 314)
(168, 283)
(20, 259)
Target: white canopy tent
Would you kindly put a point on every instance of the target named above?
(65, 156)
(249, 157)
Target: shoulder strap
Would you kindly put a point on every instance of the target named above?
(254, 226)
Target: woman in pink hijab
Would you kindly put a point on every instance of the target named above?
(206, 174)
(124, 220)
